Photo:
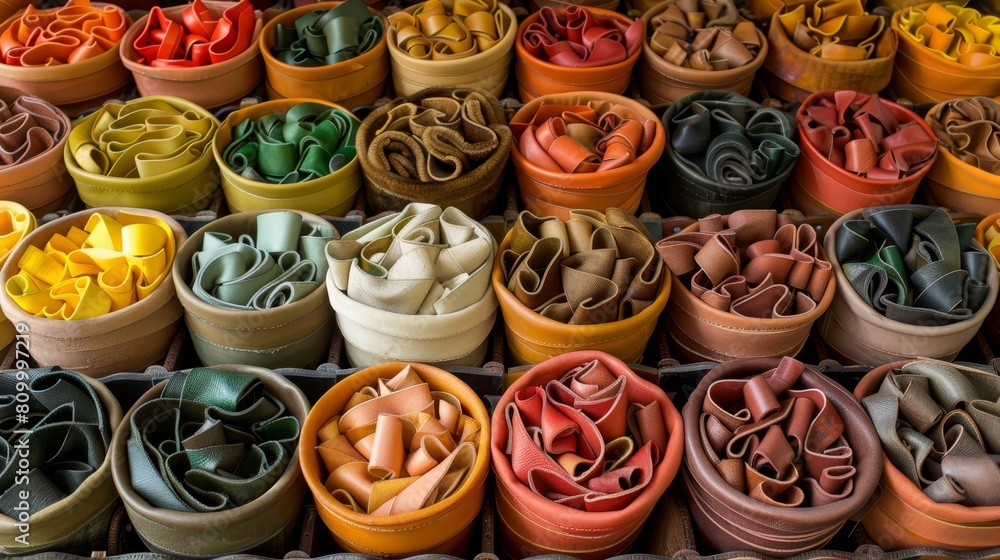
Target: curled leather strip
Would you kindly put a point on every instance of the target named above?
(283, 265)
(212, 441)
(912, 264)
(834, 29)
(107, 266)
(29, 127)
(750, 266)
(704, 35)
(398, 447)
(957, 34)
(576, 38)
(435, 32)
(323, 37)
(591, 138)
(939, 426)
(780, 445)
(591, 269)
(72, 33)
(991, 240)
(309, 141)
(970, 130)
(16, 222)
(858, 133)
(198, 40)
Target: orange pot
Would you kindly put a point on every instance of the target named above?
(991, 327)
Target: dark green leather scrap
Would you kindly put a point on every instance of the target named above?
(323, 37)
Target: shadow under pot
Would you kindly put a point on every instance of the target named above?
(882, 167)
(988, 235)
(353, 76)
(965, 175)
(444, 146)
(229, 485)
(252, 289)
(77, 79)
(211, 78)
(885, 308)
(603, 164)
(75, 513)
(432, 482)
(96, 327)
(726, 153)
(295, 154)
(749, 486)
(947, 500)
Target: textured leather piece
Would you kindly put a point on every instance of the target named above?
(207, 461)
(860, 151)
(963, 176)
(726, 153)
(884, 309)
(583, 448)
(258, 296)
(444, 146)
(859, 55)
(351, 83)
(804, 449)
(594, 275)
(72, 33)
(414, 434)
(944, 413)
(108, 265)
(587, 151)
(309, 141)
(945, 52)
(148, 153)
(198, 39)
(64, 445)
(16, 222)
(576, 48)
(414, 286)
(322, 37)
(746, 285)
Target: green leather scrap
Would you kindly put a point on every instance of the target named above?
(322, 37)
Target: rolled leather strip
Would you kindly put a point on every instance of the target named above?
(226, 460)
(947, 416)
(964, 176)
(150, 152)
(67, 56)
(721, 52)
(332, 194)
(593, 281)
(452, 43)
(944, 52)
(587, 151)
(910, 283)
(859, 151)
(414, 286)
(69, 492)
(827, 45)
(725, 153)
(777, 457)
(257, 298)
(128, 339)
(427, 486)
(16, 222)
(301, 66)
(444, 146)
(574, 49)
(583, 448)
(230, 75)
(987, 233)
(198, 39)
(746, 285)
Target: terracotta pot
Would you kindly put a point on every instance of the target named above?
(551, 193)
(991, 327)
(818, 186)
(351, 83)
(332, 195)
(663, 82)
(442, 528)
(904, 517)
(210, 86)
(537, 77)
(297, 334)
(129, 339)
(485, 70)
(184, 190)
(75, 87)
